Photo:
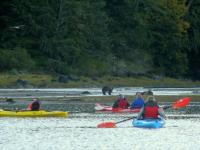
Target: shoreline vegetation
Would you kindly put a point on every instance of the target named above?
(54, 81)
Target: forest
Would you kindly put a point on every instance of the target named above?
(101, 37)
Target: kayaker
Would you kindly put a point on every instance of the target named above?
(121, 102)
(138, 102)
(151, 110)
(34, 106)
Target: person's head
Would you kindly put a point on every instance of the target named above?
(151, 101)
(138, 94)
(34, 99)
(121, 96)
(151, 98)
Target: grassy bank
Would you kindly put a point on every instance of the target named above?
(51, 81)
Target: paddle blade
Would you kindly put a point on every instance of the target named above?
(106, 125)
(181, 103)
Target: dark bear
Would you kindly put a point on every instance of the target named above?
(107, 89)
(149, 92)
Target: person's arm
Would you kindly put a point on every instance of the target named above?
(29, 107)
(127, 103)
(115, 105)
(134, 103)
(140, 113)
(161, 113)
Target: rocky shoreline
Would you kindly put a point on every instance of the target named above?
(93, 95)
(99, 99)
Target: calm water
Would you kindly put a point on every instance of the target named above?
(79, 132)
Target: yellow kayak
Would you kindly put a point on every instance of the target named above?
(40, 113)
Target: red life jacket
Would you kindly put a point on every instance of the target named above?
(122, 103)
(150, 112)
(35, 105)
(29, 106)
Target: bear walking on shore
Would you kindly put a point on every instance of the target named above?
(107, 89)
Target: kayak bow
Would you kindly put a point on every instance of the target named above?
(148, 123)
(40, 113)
(103, 108)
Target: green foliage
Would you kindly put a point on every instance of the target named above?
(170, 59)
(194, 39)
(97, 38)
(15, 59)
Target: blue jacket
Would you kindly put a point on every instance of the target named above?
(137, 103)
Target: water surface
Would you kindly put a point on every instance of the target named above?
(79, 132)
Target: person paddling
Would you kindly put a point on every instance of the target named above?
(34, 105)
(121, 102)
(151, 110)
(138, 102)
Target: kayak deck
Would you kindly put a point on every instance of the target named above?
(148, 123)
(104, 108)
(41, 113)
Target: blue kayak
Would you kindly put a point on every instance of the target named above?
(148, 123)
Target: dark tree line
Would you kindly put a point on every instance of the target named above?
(96, 38)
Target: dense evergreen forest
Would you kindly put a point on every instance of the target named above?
(101, 37)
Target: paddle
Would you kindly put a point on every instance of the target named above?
(177, 104)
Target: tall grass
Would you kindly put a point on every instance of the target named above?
(47, 80)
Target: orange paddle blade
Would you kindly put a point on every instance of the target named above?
(181, 103)
(106, 125)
